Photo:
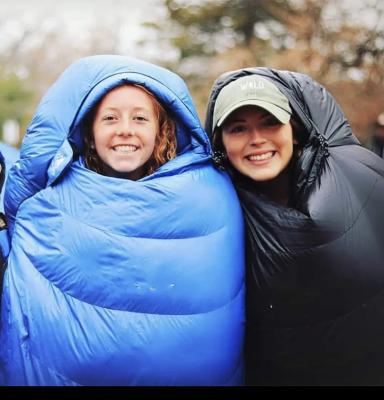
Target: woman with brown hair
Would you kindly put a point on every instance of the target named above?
(312, 198)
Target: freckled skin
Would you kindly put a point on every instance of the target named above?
(124, 131)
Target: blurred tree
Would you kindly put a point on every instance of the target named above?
(14, 100)
(340, 44)
(203, 28)
(34, 52)
(213, 36)
(207, 27)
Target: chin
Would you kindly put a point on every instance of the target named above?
(124, 169)
(262, 177)
(261, 180)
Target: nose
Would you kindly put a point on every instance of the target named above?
(256, 137)
(125, 127)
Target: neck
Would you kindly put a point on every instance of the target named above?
(132, 175)
(279, 189)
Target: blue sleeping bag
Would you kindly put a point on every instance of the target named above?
(9, 154)
(118, 282)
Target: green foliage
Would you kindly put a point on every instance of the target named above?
(14, 99)
(203, 28)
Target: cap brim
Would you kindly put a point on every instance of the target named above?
(282, 115)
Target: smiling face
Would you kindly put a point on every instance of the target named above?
(124, 131)
(257, 144)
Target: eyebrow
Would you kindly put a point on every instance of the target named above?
(232, 121)
(108, 109)
(118, 109)
(263, 114)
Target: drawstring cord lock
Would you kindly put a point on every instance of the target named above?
(219, 160)
(322, 141)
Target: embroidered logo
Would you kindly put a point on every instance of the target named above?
(252, 85)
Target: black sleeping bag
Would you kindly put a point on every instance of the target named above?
(315, 284)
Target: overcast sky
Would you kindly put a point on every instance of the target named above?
(77, 12)
(76, 16)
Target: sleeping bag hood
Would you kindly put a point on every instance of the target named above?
(315, 270)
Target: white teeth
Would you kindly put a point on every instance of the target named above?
(125, 148)
(260, 157)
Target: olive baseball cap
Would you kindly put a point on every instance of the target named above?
(251, 90)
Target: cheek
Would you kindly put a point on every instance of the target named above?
(99, 139)
(232, 155)
(233, 149)
(98, 133)
(287, 149)
(230, 144)
(284, 139)
(152, 141)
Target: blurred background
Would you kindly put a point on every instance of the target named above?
(340, 44)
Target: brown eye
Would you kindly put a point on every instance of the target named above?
(238, 128)
(270, 120)
(108, 117)
(140, 118)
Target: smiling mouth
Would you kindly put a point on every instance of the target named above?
(126, 148)
(261, 157)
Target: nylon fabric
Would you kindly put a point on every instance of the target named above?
(315, 270)
(118, 282)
